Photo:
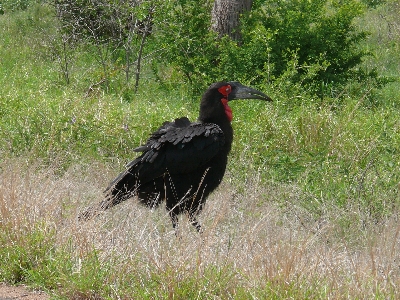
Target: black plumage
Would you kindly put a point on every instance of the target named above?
(182, 162)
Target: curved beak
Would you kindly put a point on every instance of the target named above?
(240, 91)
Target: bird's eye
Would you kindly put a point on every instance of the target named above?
(225, 90)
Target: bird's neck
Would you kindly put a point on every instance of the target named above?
(217, 114)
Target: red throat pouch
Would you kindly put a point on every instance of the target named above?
(228, 110)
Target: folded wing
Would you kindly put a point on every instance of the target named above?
(178, 147)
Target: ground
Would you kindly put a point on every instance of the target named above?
(8, 292)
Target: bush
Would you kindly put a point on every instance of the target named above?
(318, 38)
(114, 30)
(14, 5)
(305, 46)
(187, 43)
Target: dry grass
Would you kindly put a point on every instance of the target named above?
(251, 247)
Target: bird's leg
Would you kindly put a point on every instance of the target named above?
(195, 223)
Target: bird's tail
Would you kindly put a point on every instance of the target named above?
(120, 189)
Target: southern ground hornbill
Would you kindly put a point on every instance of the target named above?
(182, 162)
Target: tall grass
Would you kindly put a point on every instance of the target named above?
(250, 249)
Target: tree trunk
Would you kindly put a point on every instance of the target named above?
(225, 17)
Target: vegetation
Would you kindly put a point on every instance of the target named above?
(308, 209)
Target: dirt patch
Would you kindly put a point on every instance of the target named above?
(20, 292)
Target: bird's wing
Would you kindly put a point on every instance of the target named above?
(180, 146)
(177, 147)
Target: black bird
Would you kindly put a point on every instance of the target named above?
(182, 162)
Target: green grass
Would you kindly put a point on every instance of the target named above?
(310, 197)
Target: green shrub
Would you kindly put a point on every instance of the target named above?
(14, 5)
(314, 43)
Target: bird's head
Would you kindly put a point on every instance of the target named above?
(215, 99)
